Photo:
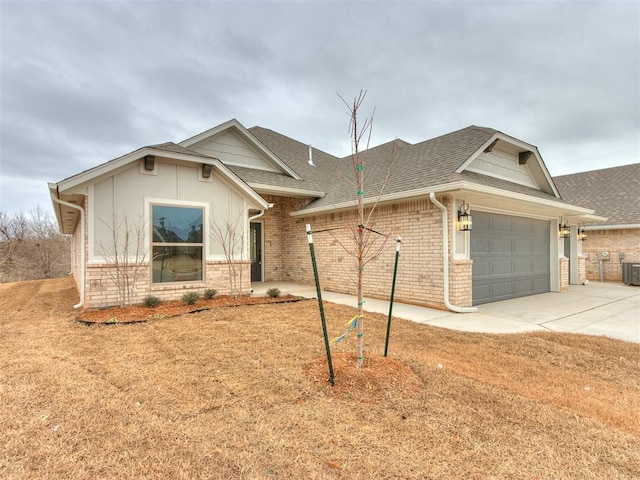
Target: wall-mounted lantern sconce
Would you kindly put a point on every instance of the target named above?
(582, 235)
(465, 222)
(564, 229)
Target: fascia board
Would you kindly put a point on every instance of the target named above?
(628, 226)
(57, 208)
(248, 135)
(235, 180)
(389, 198)
(566, 207)
(112, 165)
(126, 160)
(275, 190)
(448, 188)
(519, 144)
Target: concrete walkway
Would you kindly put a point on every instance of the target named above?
(609, 309)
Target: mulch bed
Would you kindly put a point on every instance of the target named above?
(379, 377)
(142, 313)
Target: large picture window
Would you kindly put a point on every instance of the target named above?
(177, 244)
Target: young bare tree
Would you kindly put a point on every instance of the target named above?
(229, 233)
(125, 255)
(31, 247)
(364, 244)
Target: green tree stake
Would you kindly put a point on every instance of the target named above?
(322, 318)
(393, 289)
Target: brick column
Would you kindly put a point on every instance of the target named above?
(460, 292)
(582, 269)
(564, 274)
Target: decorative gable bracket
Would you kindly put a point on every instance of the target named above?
(523, 157)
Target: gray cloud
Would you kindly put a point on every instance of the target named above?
(84, 82)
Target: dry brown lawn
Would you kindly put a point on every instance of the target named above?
(242, 393)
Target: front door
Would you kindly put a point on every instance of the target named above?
(255, 246)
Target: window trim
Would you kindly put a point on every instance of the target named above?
(149, 204)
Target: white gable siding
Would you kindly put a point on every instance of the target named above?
(504, 165)
(231, 149)
(128, 194)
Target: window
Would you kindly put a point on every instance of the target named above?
(177, 244)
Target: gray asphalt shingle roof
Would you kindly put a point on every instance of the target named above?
(612, 192)
(403, 166)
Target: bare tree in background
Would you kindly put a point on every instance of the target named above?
(31, 247)
(364, 243)
(126, 256)
(230, 235)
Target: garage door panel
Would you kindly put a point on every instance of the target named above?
(540, 229)
(521, 225)
(500, 245)
(522, 246)
(541, 285)
(500, 266)
(502, 289)
(523, 286)
(540, 265)
(482, 291)
(540, 246)
(522, 265)
(500, 223)
(480, 245)
(510, 257)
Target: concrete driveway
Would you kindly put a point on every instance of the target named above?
(609, 309)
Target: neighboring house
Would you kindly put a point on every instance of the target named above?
(274, 186)
(615, 194)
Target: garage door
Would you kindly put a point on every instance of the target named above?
(510, 257)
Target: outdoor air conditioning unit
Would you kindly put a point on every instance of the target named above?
(631, 273)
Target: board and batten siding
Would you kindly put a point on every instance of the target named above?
(229, 148)
(504, 165)
(127, 194)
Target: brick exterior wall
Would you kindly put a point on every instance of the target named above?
(102, 290)
(276, 222)
(420, 269)
(564, 274)
(615, 242)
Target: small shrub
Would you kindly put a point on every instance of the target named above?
(151, 301)
(210, 293)
(273, 292)
(190, 298)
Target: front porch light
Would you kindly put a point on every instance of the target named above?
(465, 221)
(582, 235)
(564, 229)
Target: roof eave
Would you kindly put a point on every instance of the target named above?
(627, 226)
(461, 186)
(125, 160)
(285, 191)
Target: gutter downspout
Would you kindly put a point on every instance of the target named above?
(261, 213)
(82, 257)
(445, 256)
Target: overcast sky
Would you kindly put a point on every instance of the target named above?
(85, 82)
